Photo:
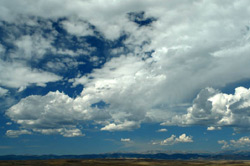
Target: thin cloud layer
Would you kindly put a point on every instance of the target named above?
(16, 133)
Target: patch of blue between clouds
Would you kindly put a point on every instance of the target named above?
(63, 40)
(140, 19)
(100, 105)
(230, 88)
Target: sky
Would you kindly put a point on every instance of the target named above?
(100, 76)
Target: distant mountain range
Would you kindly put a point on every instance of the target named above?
(166, 156)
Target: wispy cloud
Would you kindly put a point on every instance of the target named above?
(162, 130)
(125, 140)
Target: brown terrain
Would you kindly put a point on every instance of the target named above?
(123, 162)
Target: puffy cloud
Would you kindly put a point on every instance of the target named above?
(127, 125)
(190, 50)
(125, 140)
(187, 57)
(15, 75)
(184, 138)
(175, 140)
(243, 142)
(16, 133)
(127, 84)
(162, 130)
(54, 113)
(216, 109)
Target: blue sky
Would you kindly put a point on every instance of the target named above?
(106, 76)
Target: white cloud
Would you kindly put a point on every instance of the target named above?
(78, 28)
(32, 46)
(54, 113)
(187, 57)
(127, 125)
(183, 138)
(213, 128)
(175, 140)
(125, 140)
(66, 132)
(243, 142)
(127, 85)
(60, 64)
(225, 144)
(3, 92)
(216, 109)
(15, 75)
(162, 130)
(16, 133)
(9, 123)
(206, 45)
(117, 51)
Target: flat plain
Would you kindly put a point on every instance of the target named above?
(123, 162)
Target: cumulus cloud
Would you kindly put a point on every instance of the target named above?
(127, 125)
(15, 75)
(16, 133)
(164, 66)
(54, 113)
(187, 57)
(243, 142)
(121, 83)
(175, 140)
(215, 109)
